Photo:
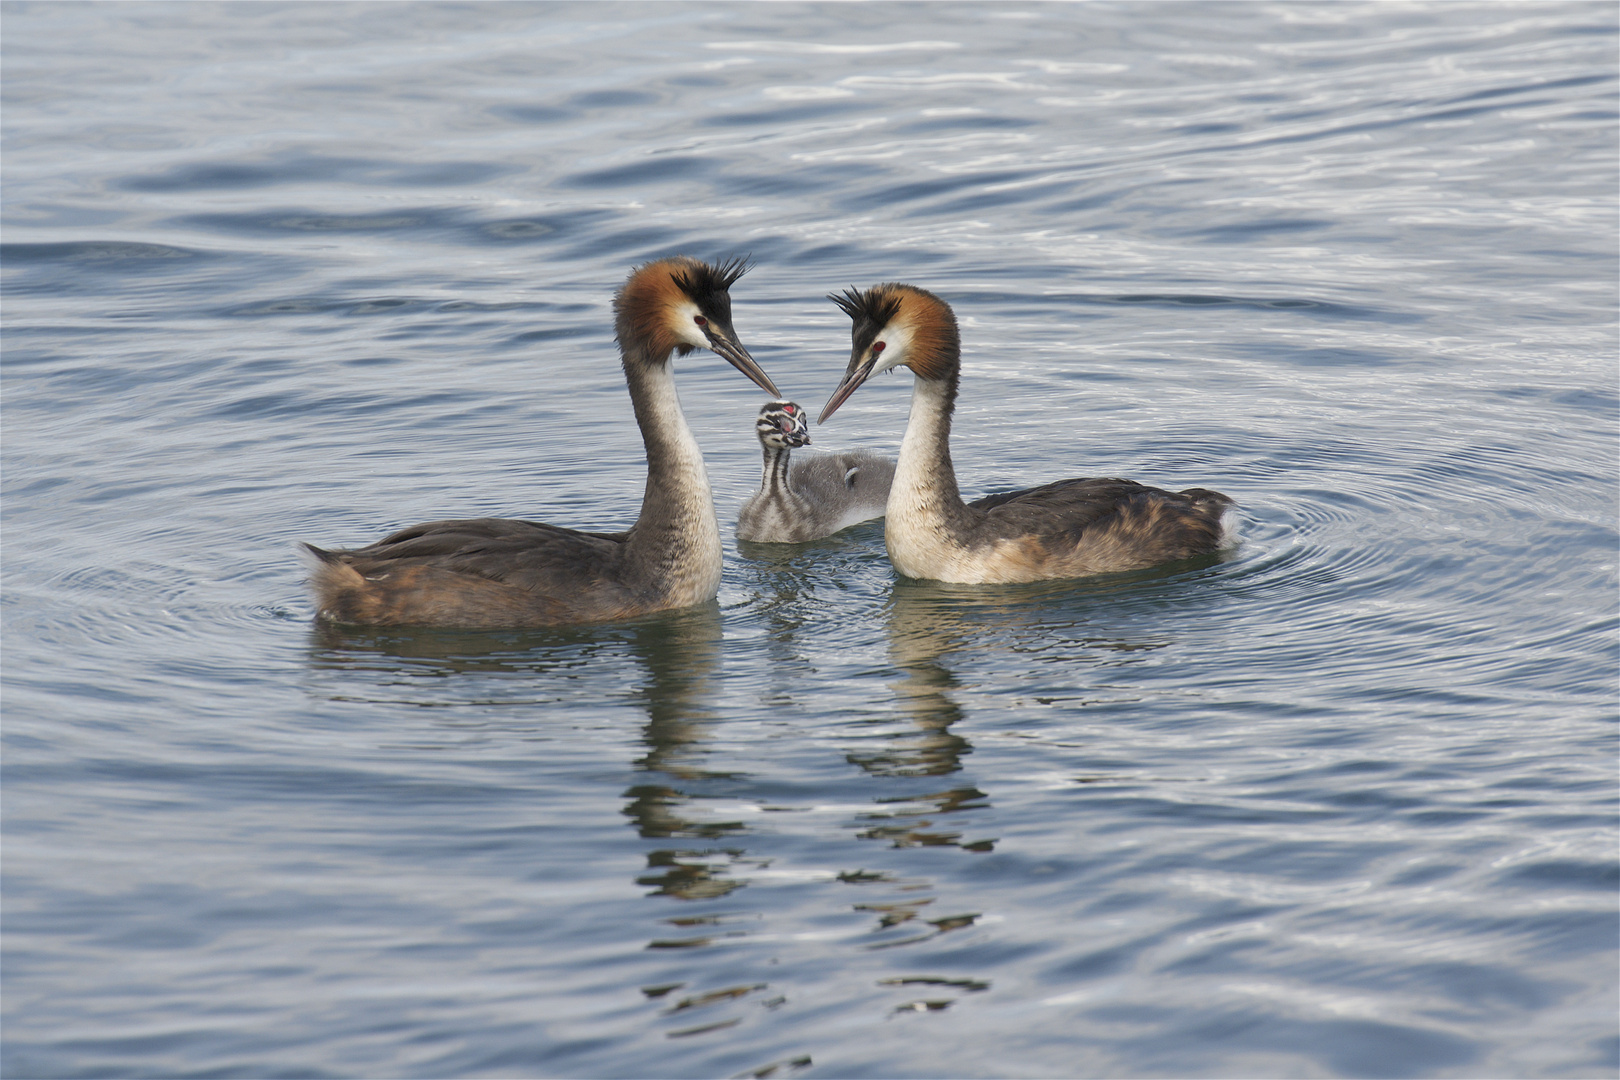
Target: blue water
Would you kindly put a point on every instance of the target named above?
(1339, 803)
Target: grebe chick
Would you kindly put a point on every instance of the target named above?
(492, 572)
(1070, 528)
(809, 496)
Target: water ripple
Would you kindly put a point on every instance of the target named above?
(1338, 800)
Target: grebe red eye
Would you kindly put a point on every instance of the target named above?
(877, 348)
(700, 320)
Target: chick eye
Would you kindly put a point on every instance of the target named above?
(877, 348)
(700, 320)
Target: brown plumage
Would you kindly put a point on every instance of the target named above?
(493, 572)
(1071, 528)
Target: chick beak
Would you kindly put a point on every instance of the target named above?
(723, 342)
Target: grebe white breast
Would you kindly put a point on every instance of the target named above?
(1070, 528)
(493, 572)
(805, 497)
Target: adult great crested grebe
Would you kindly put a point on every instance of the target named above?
(1070, 528)
(493, 572)
(803, 498)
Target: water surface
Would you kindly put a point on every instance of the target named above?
(1338, 803)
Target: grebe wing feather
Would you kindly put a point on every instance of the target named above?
(526, 554)
(1083, 500)
(1090, 507)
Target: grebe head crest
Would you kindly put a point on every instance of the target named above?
(894, 325)
(783, 425)
(679, 304)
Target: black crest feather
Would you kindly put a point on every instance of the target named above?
(877, 305)
(704, 280)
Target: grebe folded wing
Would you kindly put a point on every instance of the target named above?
(486, 572)
(527, 554)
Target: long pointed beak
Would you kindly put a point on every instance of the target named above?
(859, 371)
(724, 343)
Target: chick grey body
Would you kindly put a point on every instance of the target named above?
(808, 496)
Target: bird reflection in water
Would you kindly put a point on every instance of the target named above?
(682, 658)
(678, 656)
(927, 623)
(922, 627)
(929, 620)
(907, 909)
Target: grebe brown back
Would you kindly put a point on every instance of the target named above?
(493, 572)
(1070, 528)
(806, 497)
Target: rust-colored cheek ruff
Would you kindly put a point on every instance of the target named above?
(935, 344)
(646, 306)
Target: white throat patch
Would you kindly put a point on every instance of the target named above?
(896, 338)
(688, 331)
